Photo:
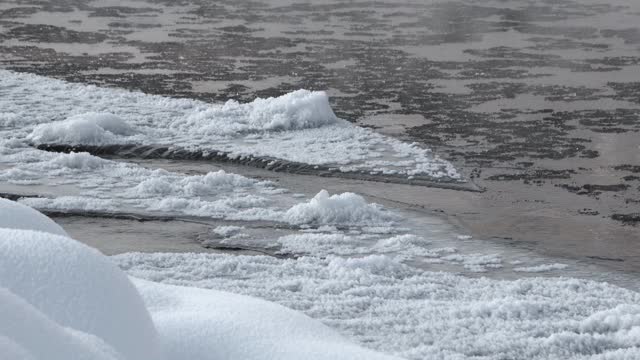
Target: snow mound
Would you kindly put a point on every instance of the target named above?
(81, 161)
(28, 334)
(301, 109)
(346, 208)
(77, 288)
(201, 324)
(88, 129)
(17, 216)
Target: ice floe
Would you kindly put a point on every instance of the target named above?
(297, 127)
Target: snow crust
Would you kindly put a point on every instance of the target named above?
(298, 127)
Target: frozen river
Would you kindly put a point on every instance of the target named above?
(461, 180)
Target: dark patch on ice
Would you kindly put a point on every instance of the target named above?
(53, 34)
(605, 258)
(628, 219)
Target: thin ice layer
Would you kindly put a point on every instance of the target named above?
(298, 127)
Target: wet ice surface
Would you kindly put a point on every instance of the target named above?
(537, 102)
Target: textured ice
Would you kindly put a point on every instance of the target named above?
(423, 315)
(298, 127)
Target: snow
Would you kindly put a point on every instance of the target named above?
(418, 314)
(345, 208)
(17, 216)
(63, 300)
(207, 324)
(27, 333)
(76, 287)
(296, 127)
(87, 129)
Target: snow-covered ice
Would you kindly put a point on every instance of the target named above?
(298, 127)
(422, 315)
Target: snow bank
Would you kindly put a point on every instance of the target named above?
(78, 288)
(346, 208)
(87, 129)
(17, 216)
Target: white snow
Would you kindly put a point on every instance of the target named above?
(203, 324)
(60, 299)
(345, 208)
(298, 127)
(76, 287)
(87, 129)
(17, 216)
